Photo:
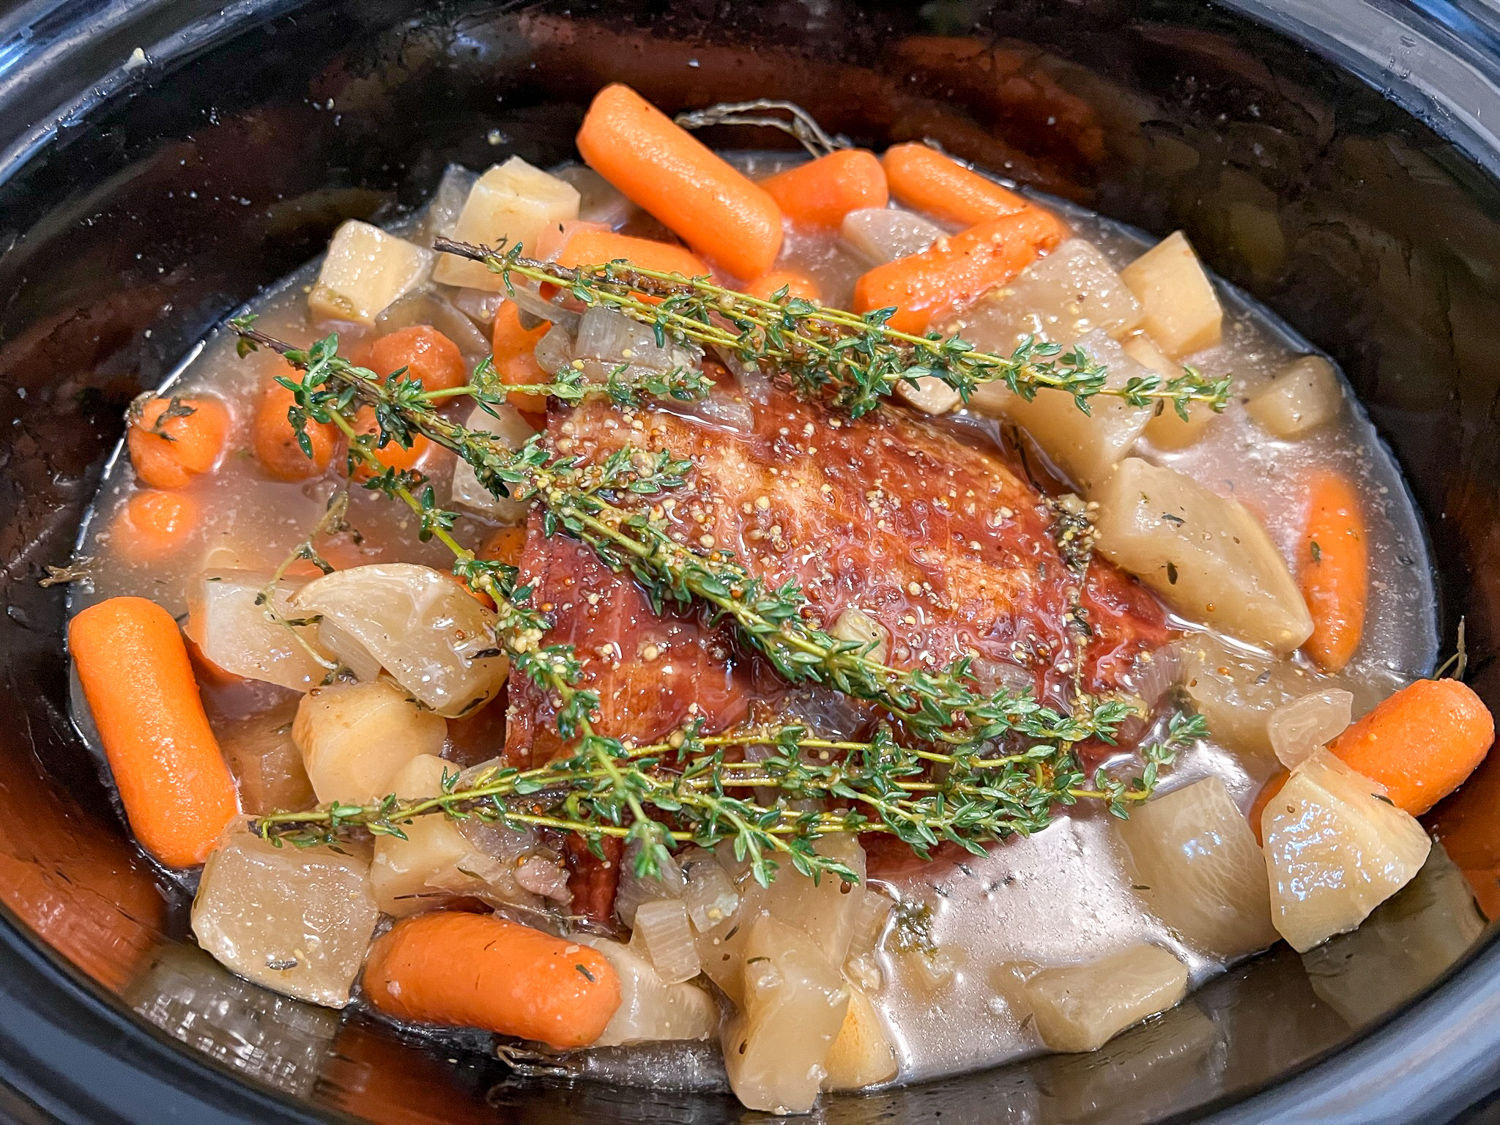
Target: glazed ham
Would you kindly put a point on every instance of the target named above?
(933, 537)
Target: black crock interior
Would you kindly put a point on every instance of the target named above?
(185, 182)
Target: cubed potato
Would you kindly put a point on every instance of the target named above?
(1067, 295)
(505, 422)
(1304, 395)
(418, 624)
(1082, 1007)
(424, 870)
(883, 234)
(512, 202)
(365, 270)
(1206, 555)
(355, 737)
(776, 1049)
(650, 1010)
(1237, 691)
(235, 633)
(1167, 429)
(1086, 446)
(266, 762)
(1182, 313)
(1336, 848)
(297, 920)
(931, 395)
(1195, 862)
(863, 1054)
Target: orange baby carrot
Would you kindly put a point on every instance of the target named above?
(954, 271)
(796, 284)
(1421, 743)
(426, 354)
(477, 970)
(275, 443)
(177, 792)
(1334, 570)
(392, 455)
(588, 244)
(515, 357)
(925, 180)
(153, 524)
(821, 192)
(174, 439)
(660, 167)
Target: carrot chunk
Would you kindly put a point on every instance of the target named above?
(392, 455)
(426, 354)
(1334, 570)
(477, 970)
(515, 357)
(1422, 743)
(587, 244)
(952, 272)
(275, 443)
(153, 524)
(174, 439)
(660, 167)
(925, 180)
(821, 192)
(177, 792)
(796, 284)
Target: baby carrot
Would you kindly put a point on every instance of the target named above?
(515, 357)
(660, 167)
(174, 439)
(1334, 570)
(275, 443)
(153, 524)
(588, 244)
(1421, 743)
(925, 180)
(477, 970)
(426, 354)
(954, 271)
(796, 284)
(821, 192)
(177, 792)
(391, 455)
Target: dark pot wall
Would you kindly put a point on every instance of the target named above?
(196, 178)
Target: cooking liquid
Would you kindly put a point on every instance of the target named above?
(1060, 896)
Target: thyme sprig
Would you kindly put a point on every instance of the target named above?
(875, 785)
(852, 359)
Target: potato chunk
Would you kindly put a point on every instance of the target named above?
(776, 1050)
(237, 635)
(423, 870)
(1182, 314)
(1336, 849)
(862, 1055)
(883, 234)
(1304, 395)
(505, 422)
(650, 1010)
(297, 920)
(1238, 691)
(266, 762)
(1195, 862)
(354, 737)
(1167, 428)
(1071, 293)
(365, 270)
(512, 202)
(1206, 556)
(1082, 1007)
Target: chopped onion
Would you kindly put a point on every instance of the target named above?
(635, 889)
(720, 409)
(869, 922)
(554, 351)
(506, 423)
(855, 625)
(479, 305)
(353, 655)
(447, 203)
(426, 307)
(599, 201)
(991, 676)
(662, 926)
(1298, 728)
(707, 890)
(614, 339)
(1157, 673)
(528, 300)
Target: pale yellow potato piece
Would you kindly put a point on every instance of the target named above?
(1070, 293)
(297, 920)
(776, 1050)
(1206, 555)
(1195, 862)
(1182, 314)
(1304, 395)
(419, 872)
(355, 737)
(1167, 429)
(862, 1055)
(365, 270)
(1335, 850)
(1082, 1007)
(512, 202)
(1086, 446)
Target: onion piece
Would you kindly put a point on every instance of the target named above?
(236, 634)
(635, 889)
(615, 340)
(718, 409)
(1298, 728)
(504, 422)
(554, 351)
(479, 305)
(883, 234)
(707, 891)
(426, 307)
(869, 922)
(662, 927)
(529, 300)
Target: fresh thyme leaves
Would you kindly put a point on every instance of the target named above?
(854, 360)
(705, 798)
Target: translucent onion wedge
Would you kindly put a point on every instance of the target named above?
(707, 890)
(663, 930)
(1298, 728)
(1082, 1007)
(651, 1010)
(235, 633)
(635, 889)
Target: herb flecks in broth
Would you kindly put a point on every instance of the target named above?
(854, 359)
